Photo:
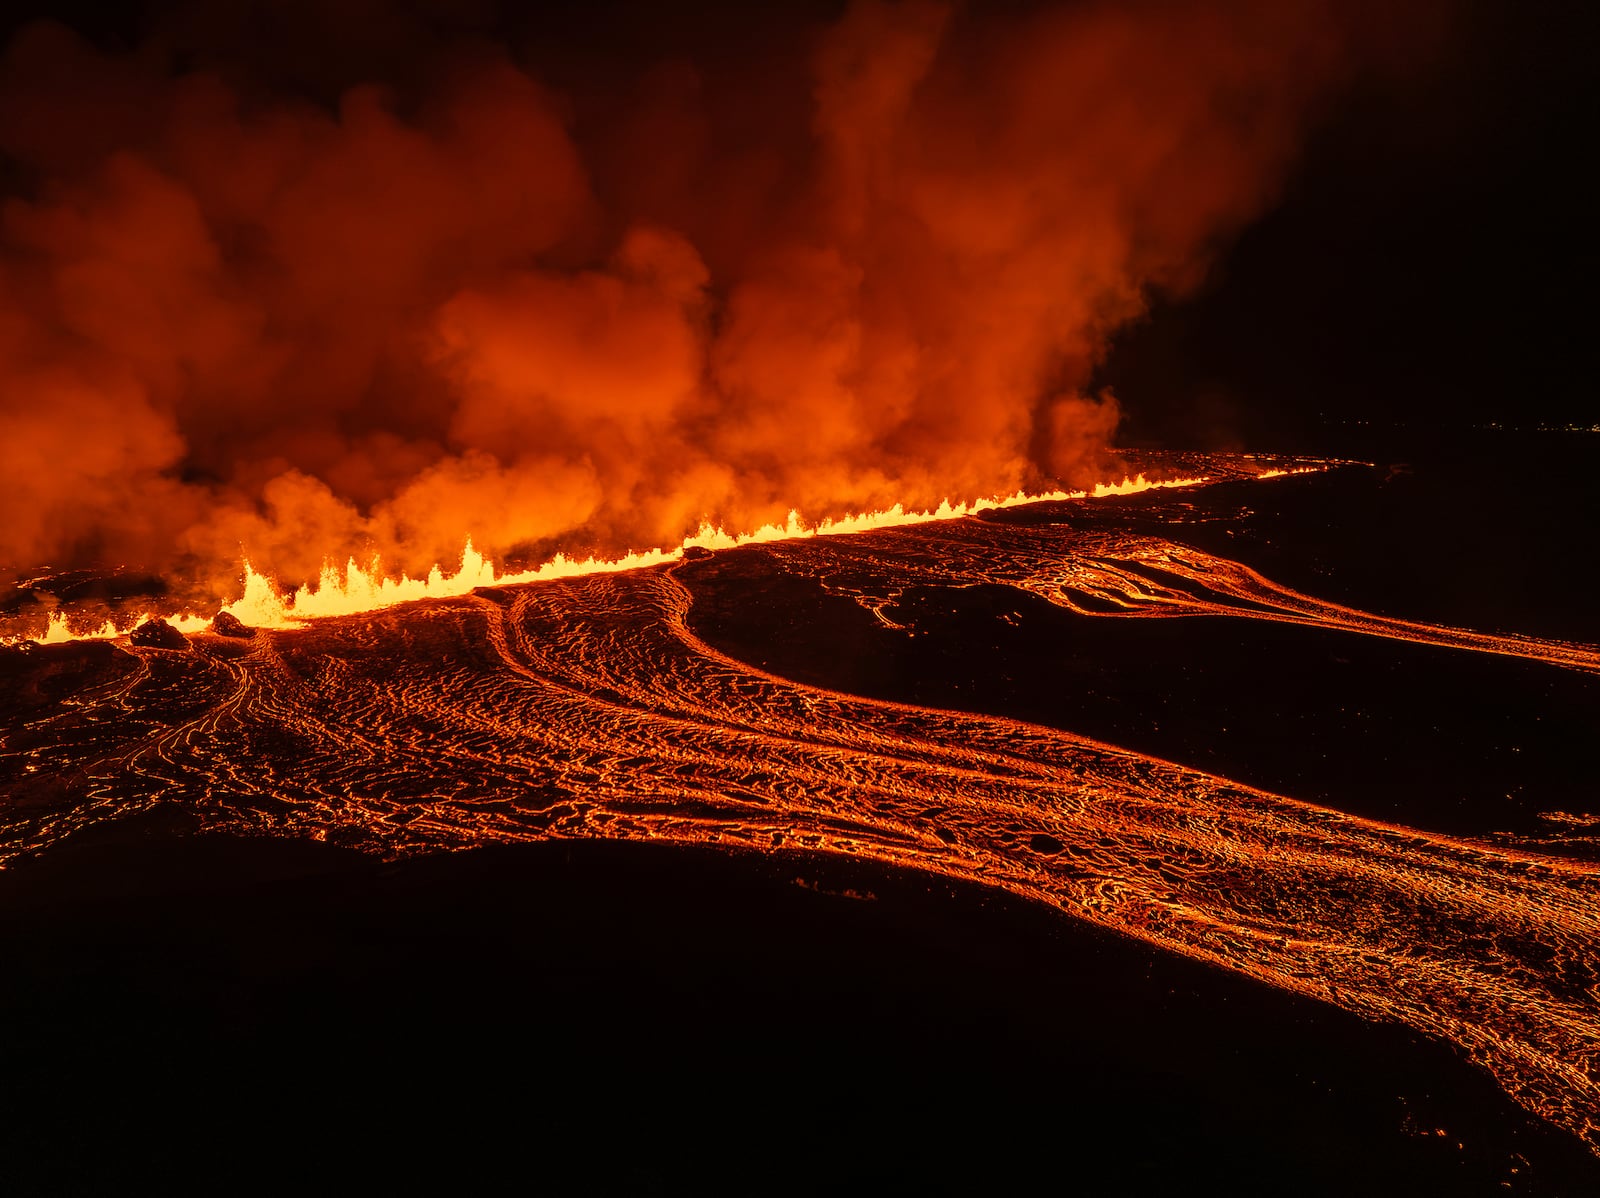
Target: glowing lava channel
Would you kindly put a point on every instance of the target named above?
(355, 589)
(592, 709)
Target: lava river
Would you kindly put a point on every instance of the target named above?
(590, 707)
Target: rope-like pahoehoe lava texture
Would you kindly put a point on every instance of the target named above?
(588, 708)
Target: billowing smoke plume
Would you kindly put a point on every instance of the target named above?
(240, 321)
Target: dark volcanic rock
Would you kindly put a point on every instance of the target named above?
(158, 634)
(37, 675)
(226, 960)
(116, 585)
(79, 585)
(224, 624)
(695, 553)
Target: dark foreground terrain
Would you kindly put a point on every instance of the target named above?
(791, 869)
(591, 1017)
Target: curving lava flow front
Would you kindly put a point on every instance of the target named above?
(591, 706)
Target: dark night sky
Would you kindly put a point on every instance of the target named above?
(1429, 260)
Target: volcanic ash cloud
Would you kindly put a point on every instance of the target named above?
(236, 319)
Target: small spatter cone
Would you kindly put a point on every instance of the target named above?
(158, 634)
(227, 624)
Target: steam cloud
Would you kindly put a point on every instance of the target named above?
(234, 321)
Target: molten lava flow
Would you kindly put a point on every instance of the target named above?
(587, 707)
(59, 631)
(356, 589)
(360, 590)
(1132, 486)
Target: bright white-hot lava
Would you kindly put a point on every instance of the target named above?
(598, 708)
(354, 588)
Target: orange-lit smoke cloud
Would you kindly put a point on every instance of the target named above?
(232, 320)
